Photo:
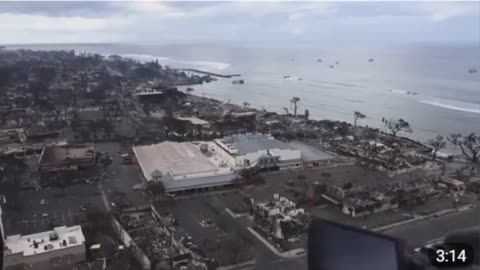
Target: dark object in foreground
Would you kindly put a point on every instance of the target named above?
(334, 246)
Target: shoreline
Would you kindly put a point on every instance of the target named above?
(379, 131)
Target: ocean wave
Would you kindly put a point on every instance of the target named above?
(471, 107)
(353, 100)
(398, 91)
(143, 57)
(203, 64)
(403, 92)
(208, 65)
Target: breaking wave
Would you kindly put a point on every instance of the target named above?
(208, 65)
(203, 64)
(143, 57)
(472, 108)
(398, 91)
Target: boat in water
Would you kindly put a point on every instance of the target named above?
(238, 82)
(286, 76)
(472, 70)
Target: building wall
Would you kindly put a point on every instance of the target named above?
(231, 160)
(350, 210)
(2, 232)
(48, 260)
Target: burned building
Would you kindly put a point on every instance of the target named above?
(454, 186)
(367, 200)
(56, 158)
(280, 218)
(474, 185)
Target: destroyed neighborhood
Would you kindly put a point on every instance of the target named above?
(111, 163)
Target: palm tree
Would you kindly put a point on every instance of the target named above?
(293, 103)
(357, 115)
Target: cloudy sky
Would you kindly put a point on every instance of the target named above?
(274, 22)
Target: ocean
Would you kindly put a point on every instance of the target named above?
(429, 86)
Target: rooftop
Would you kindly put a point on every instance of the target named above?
(33, 244)
(59, 153)
(248, 143)
(309, 153)
(179, 159)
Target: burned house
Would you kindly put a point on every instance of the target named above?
(415, 192)
(368, 201)
(279, 218)
(40, 133)
(454, 186)
(156, 242)
(57, 158)
(363, 201)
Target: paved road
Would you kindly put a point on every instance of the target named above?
(58, 208)
(416, 234)
(420, 232)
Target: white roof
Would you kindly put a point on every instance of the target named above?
(59, 238)
(179, 159)
(284, 154)
(194, 120)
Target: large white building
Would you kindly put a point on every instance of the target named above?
(200, 165)
(183, 166)
(263, 151)
(63, 246)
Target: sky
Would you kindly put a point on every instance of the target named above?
(240, 22)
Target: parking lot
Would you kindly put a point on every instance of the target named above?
(204, 218)
(121, 178)
(40, 210)
(338, 175)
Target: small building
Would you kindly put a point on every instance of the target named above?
(90, 114)
(280, 218)
(196, 125)
(365, 203)
(66, 157)
(56, 249)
